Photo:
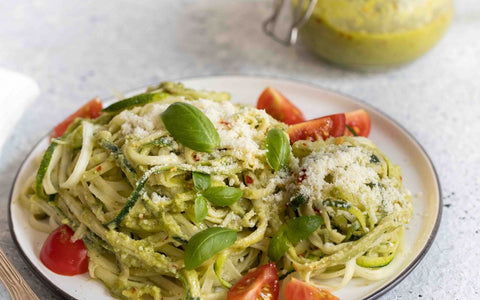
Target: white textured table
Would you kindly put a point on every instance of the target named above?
(79, 49)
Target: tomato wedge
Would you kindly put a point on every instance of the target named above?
(279, 107)
(321, 128)
(297, 290)
(359, 121)
(63, 256)
(259, 284)
(90, 110)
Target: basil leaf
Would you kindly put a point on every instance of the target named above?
(200, 208)
(206, 244)
(189, 126)
(302, 227)
(291, 234)
(137, 100)
(222, 195)
(278, 149)
(201, 181)
(279, 244)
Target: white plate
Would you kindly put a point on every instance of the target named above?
(418, 173)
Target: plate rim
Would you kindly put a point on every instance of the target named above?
(380, 291)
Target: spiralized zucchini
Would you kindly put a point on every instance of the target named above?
(100, 165)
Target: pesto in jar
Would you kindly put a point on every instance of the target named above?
(372, 34)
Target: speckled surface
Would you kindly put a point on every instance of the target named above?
(79, 49)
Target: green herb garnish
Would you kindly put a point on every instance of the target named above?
(278, 149)
(290, 234)
(189, 126)
(206, 244)
(200, 208)
(223, 195)
(201, 181)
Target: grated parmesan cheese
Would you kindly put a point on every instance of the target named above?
(346, 170)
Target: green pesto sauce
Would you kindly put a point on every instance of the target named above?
(359, 34)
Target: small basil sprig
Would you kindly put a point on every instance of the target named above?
(206, 244)
(218, 195)
(200, 208)
(189, 126)
(279, 244)
(201, 181)
(223, 195)
(291, 234)
(278, 149)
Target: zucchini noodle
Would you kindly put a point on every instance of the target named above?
(125, 186)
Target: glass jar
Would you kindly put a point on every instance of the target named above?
(369, 34)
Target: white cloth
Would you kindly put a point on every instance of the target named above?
(17, 91)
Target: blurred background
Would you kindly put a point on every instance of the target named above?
(76, 50)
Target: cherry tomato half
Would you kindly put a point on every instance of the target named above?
(279, 107)
(259, 284)
(63, 256)
(321, 128)
(90, 110)
(297, 290)
(359, 121)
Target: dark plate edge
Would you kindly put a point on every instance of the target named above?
(376, 294)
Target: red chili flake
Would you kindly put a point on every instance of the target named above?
(248, 180)
(224, 123)
(133, 289)
(99, 168)
(301, 255)
(301, 176)
(316, 209)
(195, 157)
(166, 238)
